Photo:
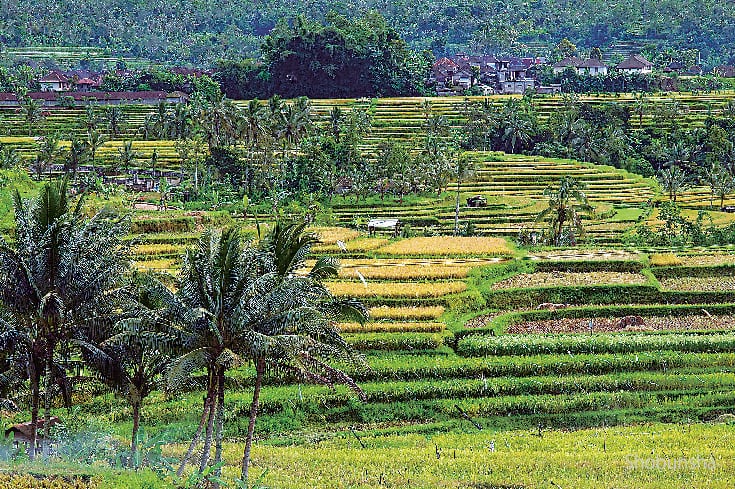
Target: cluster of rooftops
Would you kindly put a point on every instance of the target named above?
(81, 86)
(515, 75)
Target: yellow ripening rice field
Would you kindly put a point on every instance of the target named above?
(708, 260)
(448, 246)
(399, 327)
(664, 260)
(396, 289)
(406, 313)
(155, 264)
(330, 235)
(405, 272)
(355, 245)
(555, 279)
(158, 249)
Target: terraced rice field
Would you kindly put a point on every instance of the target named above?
(609, 324)
(514, 186)
(551, 279)
(461, 359)
(512, 183)
(725, 283)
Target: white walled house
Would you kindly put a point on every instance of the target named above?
(592, 67)
(635, 64)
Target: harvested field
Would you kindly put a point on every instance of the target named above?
(700, 284)
(606, 325)
(552, 279)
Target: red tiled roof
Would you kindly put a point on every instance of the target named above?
(445, 63)
(592, 63)
(81, 96)
(25, 428)
(54, 77)
(634, 62)
(570, 62)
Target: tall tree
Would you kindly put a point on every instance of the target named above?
(567, 204)
(127, 156)
(462, 168)
(57, 281)
(130, 355)
(674, 180)
(115, 119)
(31, 110)
(252, 307)
(94, 141)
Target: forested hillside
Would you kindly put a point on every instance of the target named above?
(203, 30)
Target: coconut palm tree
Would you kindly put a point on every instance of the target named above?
(567, 204)
(253, 308)
(127, 156)
(31, 110)
(9, 157)
(179, 122)
(77, 156)
(130, 355)
(115, 119)
(57, 281)
(48, 154)
(91, 118)
(462, 168)
(674, 180)
(293, 329)
(713, 175)
(94, 141)
(725, 187)
(640, 106)
(220, 121)
(253, 132)
(518, 131)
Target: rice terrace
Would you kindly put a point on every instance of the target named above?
(362, 258)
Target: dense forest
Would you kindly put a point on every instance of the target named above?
(203, 31)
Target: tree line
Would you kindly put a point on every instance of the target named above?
(675, 153)
(276, 151)
(178, 33)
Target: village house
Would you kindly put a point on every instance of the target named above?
(592, 67)
(589, 67)
(56, 81)
(675, 67)
(67, 81)
(635, 63)
(725, 71)
(22, 434)
(568, 62)
(489, 73)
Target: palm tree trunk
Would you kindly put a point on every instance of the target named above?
(208, 433)
(260, 371)
(205, 413)
(35, 401)
(456, 211)
(220, 419)
(47, 401)
(134, 438)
